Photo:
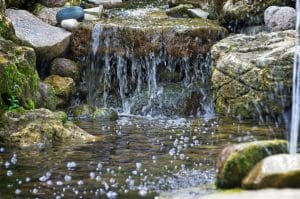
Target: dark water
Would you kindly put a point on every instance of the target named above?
(137, 158)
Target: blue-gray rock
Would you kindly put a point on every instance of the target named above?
(73, 12)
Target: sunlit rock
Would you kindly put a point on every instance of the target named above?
(34, 32)
(236, 161)
(69, 24)
(280, 18)
(278, 171)
(25, 128)
(252, 75)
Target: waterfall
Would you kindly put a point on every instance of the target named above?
(296, 88)
(145, 81)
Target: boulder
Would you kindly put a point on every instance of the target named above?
(238, 13)
(252, 76)
(280, 18)
(64, 86)
(69, 24)
(236, 161)
(83, 111)
(180, 10)
(47, 15)
(72, 12)
(101, 114)
(18, 75)
(65, 68)
(277, 171)
(26, 128)
(34, 32)
(260, 194)
(46, 97)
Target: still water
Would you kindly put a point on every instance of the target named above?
(138, 157)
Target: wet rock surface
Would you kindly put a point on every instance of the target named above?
(40, 126)
(251, 73)
(278, 171)
(34, 32)
(65, 68)
(236, 161)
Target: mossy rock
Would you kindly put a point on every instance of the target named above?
(105, 114)
(180, 11)
(278, 171)
(82, 111)
(18, 76)
(46, 97)
(236, 161)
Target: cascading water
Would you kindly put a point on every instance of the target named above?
(296, 88)
(141, 84)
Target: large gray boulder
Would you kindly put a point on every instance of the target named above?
(280, 18)
(252, 75)
(47, 15)
(48, 41)
(278, 171)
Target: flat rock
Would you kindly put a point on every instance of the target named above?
(277, 171)
(261, 194)
(39, 34)
(106, 3)
(236, 161)
(95, 11)
(198, 13)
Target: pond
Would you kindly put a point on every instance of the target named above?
(138, 157)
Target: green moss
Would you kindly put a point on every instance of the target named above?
(241, 161)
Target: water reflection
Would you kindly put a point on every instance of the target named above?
(138, 157)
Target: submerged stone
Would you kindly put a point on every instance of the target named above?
(84, 111)
(105, 114)
(73, 12)
(277, 171)
(236, 161)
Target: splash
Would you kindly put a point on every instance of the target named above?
(296, 88)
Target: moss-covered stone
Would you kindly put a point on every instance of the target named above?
(63, 86)
(46, 97)
(278, 171)
(105, 114)
(18, 76)
(82, 111)
(236, 161)
(180, 11)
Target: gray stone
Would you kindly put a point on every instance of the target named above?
(101, 114)
(198, 13)
(252, 74)
(261, 194)
(69, 24)
(280, 18)
(46, 97)
(65, 68)
(72, 12)
(98, 11)
(39, 35)
(277, 171)
(48, 15)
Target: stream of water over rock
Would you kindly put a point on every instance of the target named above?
(295, 119)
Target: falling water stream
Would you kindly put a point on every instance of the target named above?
(296, 88)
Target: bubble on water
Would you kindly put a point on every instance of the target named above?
(172, 151)
(111, 194)
(99, 166)
(27, 179)
(6, 164)
(43, 178)
(35, 190)
(71, 165)
(138, 165)
(92, 175)
(20, 182)
(134, 172)
(14, 159)
(80, 182)
(59, 183)
(18, 191)
(49, 182)
(143, 192)
(98, 178)
(67, 178)
(9, 173)
(112, 180)
(2, 149)
(106, 186)
(181, 156)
